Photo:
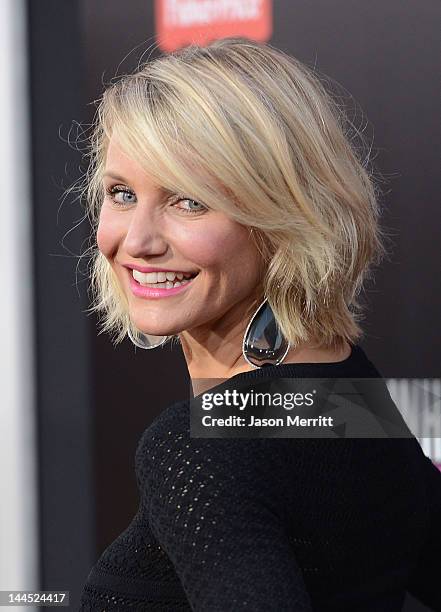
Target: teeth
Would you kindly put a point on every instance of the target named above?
(150, 278)
(171, 276)
(167, 285)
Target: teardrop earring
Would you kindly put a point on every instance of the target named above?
(147, 341)
(263, 342)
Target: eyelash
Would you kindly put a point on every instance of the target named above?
(110, 191)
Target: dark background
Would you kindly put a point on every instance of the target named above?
(91, 415)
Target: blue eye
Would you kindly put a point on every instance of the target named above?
(113, 191)
(176, 199)
(190, 210)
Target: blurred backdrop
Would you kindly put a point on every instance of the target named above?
(74, 406)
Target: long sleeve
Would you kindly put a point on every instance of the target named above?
(425, 584)
(214, 507)
(293, 525)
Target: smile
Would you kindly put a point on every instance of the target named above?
(162, 287)
(162, 280)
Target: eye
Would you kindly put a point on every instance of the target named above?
(127, 197)
(190, 210)
(117, 190)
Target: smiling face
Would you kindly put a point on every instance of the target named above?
(142, 225)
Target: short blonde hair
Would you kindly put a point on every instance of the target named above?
(251, 131)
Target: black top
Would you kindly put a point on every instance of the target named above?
(283, 524)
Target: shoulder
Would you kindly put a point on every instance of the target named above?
(170, 433)
(171, 425)
(168, 456)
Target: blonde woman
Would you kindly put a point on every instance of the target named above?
(233, 216)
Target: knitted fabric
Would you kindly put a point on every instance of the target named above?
(283, 524)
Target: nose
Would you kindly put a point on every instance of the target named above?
(144, 235)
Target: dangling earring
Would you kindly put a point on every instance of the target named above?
(263, 342)
(147, 341)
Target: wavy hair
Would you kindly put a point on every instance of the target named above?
(249, 130)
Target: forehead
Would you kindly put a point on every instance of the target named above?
(120, 166)
(117, 161)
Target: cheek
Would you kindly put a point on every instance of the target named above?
(219, 245)
(108, 233)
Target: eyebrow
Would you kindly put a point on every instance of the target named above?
(115, 176)
(162, 190)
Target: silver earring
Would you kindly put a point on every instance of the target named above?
(147, 341)
(263, 342)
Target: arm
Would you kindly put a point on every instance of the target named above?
(213, 506)
(425, 581)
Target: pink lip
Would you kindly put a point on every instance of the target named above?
(145, 270)
(150, 292)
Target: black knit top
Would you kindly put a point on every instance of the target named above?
(275, 524)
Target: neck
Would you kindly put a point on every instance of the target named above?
(214, 351)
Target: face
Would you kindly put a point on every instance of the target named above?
(142, 225)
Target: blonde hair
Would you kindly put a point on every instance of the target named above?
(251, 131)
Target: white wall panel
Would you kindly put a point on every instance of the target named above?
(18, 468)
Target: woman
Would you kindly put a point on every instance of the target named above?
(233, 216)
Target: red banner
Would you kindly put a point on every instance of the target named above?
(181, 22)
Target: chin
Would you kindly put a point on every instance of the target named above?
(154, 325)
(159, 330)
